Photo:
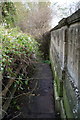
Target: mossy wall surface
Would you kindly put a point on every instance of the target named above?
(65, 62)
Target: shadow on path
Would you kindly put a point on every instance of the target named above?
(39, 104)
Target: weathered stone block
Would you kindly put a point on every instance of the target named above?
(65, 61)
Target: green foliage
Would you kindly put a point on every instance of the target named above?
(15, 105)
(47, 61)
(26, 82)
(8, 13)
(17, 49)
(44, 41)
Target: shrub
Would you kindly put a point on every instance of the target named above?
(17, 49)
(44, 42)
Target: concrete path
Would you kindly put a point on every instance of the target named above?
(39, 104)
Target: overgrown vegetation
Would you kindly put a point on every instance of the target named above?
(32, 20)
(24, 32)
(44, 42)
(17, 54)
(8, 13)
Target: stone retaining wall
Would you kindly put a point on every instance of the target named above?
(65, 62)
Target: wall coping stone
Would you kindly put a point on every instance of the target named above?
(75, 17)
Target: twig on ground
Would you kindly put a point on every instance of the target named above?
(16, 116)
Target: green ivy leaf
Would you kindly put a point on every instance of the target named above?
(26, 82)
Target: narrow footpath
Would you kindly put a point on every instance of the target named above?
(39, 104)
